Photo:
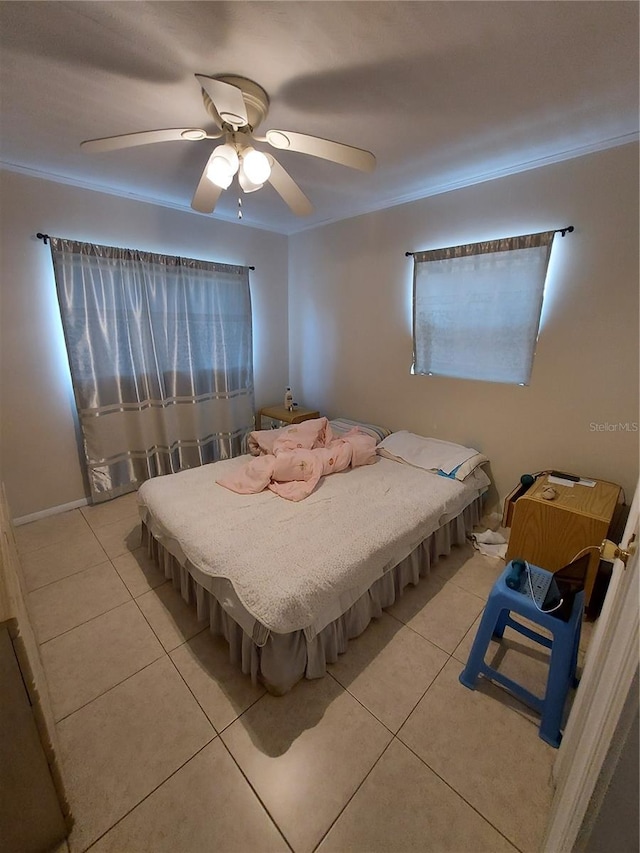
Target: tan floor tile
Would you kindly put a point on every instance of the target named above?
(414, 598)
(139, 571)
(441, 614)
(120, 536)
(92, 658)
(305, 754)
(478, 575)
(220, 687)
(446, 567)
(173, 620)
(119, 748)
(469, 738)
(99, 515)
(49, 531)
(388, 668)
(53, 562)
(463, 649)
(403, 806)
(69, 602)
(206, 806)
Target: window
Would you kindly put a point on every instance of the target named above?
(476, 308)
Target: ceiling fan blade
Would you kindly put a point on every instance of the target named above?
(227, 100)
(207, 193)
(145, 137)
(288, 190)
(346, 155)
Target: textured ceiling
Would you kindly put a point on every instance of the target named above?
(444, 93)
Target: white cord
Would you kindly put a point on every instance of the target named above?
(533, 598)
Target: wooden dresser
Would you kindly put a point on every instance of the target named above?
(549, 533)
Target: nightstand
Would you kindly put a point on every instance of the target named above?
(550, 533)
(284, 416)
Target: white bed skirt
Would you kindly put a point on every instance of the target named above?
(283, 659)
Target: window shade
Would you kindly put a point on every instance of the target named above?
(476, 308)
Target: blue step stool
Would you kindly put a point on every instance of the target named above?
(564, 651)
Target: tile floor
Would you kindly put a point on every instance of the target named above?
(167, 747)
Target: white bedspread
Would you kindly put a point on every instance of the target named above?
(287, 561)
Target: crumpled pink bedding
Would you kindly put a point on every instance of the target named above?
(291, 461)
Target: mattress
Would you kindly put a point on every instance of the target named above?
(278, 567)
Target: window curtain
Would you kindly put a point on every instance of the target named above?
(476, 308)
(160, 352)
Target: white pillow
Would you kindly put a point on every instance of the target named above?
(470, 466)
(432, 454)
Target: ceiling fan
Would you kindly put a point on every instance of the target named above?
(238, 106)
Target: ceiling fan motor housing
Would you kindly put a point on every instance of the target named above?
(254, 96)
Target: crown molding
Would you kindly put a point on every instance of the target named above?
(132, 196)
(492, 175)
(418, 194)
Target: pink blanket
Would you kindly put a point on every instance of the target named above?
(291, 461)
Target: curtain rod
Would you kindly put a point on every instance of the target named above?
(45, 238)
(566, 230)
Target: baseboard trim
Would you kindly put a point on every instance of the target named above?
(54, 510)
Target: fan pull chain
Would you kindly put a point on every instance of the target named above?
(239, 208)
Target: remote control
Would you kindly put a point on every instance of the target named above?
(565, 476)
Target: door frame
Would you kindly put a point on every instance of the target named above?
(610, 666)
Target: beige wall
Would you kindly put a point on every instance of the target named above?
(350, 321)
(38, 448)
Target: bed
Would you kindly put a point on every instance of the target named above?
(289, 584)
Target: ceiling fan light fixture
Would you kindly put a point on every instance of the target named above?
(219, 172)
(223, 165)
(255, 166)
(229, 153)
(246, 185)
